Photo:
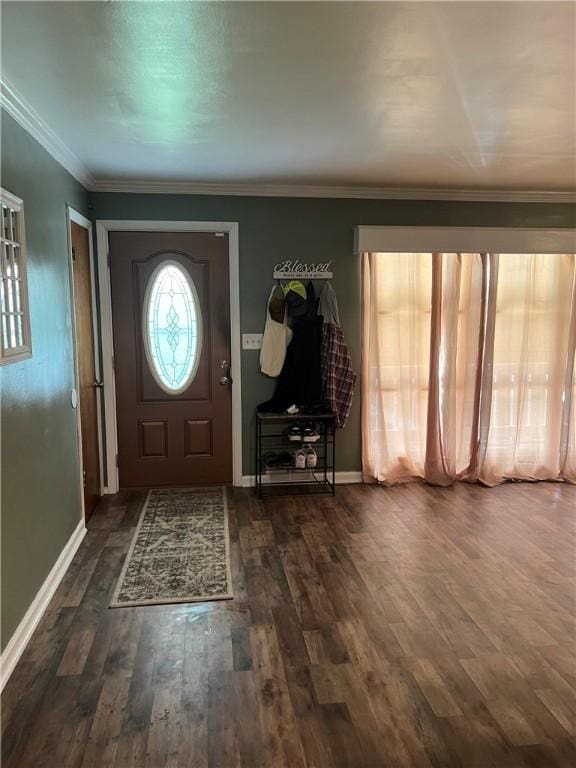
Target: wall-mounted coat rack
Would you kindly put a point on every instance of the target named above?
(296, 270)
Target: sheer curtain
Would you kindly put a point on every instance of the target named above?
(532, 379)
(468, 367)
(396, 308)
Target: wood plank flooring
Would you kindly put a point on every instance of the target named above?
(410, 626)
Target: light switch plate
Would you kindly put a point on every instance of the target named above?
(251, 341)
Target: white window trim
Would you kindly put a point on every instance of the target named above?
(103, 227)
(463, 240)
(73, 216)
(24, 351)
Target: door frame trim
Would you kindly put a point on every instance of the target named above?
(74, 216)
(103, 227)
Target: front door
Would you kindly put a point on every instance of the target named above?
(171, 324)
(87, 384)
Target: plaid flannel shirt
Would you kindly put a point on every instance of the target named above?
(338, 378)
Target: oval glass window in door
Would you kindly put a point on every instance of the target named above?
(172, 327)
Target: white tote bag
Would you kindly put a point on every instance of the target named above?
(276, 338)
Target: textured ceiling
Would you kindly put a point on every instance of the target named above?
(464, 95)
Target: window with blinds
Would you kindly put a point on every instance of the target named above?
(15, 318)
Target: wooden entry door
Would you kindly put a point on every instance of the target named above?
(171, 325)
(87, 385)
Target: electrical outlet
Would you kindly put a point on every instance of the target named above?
(251, 341)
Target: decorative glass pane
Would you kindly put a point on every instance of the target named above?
(172, 327)
(15, 319)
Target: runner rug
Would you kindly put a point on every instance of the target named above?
(180, 552)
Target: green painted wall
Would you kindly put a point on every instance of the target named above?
(40, 495)
(272, 229)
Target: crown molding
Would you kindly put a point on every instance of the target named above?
(295, 190)
(24, 114)
(17, 106)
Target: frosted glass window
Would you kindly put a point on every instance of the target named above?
(14, 312)
(172, 327)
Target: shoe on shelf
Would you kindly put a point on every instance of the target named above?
(294, 433)
(310, 433)
(282, 460)
(300, 459)
(269, 459)
(320, 407)
(311, 457)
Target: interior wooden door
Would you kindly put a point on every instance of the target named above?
(171, 325)
(87, 384)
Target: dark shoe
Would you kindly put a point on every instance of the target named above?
(269, 460)
(282, 460)
(294, 433)
(285, 460)
(321, 407)
(310, 434)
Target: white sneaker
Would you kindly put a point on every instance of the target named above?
(311, 457)
(300, 459)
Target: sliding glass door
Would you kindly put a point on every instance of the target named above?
(468, 366)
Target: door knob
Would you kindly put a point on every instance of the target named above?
(225, 379)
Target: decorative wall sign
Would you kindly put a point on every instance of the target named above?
(292, 269)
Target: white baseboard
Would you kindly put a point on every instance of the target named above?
(342, 478)
(23, 633)
(347, 478)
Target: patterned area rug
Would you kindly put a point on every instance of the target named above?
(180, 551)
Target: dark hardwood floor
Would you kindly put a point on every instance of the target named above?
(410, 626)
